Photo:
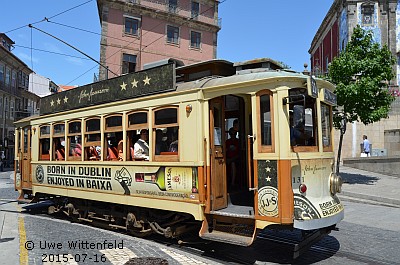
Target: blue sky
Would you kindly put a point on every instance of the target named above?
(281, 30)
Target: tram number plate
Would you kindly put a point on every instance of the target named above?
(298, 180)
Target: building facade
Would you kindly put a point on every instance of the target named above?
(16, 101)
(382, 17)
(138, 32)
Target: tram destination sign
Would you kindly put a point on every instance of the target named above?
(147, 82)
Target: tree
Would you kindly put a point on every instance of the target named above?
(361, 74)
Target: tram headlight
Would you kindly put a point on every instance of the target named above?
(335, 182)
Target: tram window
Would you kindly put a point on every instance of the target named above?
(74, 140)
(326, 127)
(92, 139)
(114, 146)
(137, 123)
(265, 121)
(44, 142)
(166, 134)
(58, 141)
(303, 125)
(137, 118)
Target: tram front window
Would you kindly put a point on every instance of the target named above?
(303, 125)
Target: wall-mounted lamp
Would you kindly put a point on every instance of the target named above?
(189, 108)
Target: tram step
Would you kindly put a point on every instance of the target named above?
(232, 232)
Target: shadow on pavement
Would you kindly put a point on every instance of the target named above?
(358, 179)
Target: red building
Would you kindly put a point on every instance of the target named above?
(137, 32)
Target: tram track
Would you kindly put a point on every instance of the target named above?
(217, 252)
(268, 248)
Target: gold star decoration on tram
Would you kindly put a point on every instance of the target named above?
(268, 178)
(146, 80)
(58, 101)
(65, 99)
(134, 83)
(123, 86)
(52, 103)
(267, 169)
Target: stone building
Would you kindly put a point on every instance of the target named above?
(382, 17)
(138, 32)
(16, 101)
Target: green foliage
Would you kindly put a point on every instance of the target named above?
(362, 73)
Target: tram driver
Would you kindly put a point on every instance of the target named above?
(141, 147)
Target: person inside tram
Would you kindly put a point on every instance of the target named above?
(161, 145)
(232, 155)
(141, 147)
(297, 132)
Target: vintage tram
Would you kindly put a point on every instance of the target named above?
(274, 169)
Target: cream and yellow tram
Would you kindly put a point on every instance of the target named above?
(274, 168)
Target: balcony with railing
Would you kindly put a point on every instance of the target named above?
(205, 15)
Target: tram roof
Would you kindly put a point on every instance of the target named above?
(165, 76)
(244, 76)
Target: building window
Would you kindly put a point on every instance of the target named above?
(173, 6)
(195, 39)
(6, 110)
(8, 77)
(1, 74)
(14, 79)
(195, 10)
(128, 63)
(12, 109)
(367, 14)
(172, 34)
(131, 26)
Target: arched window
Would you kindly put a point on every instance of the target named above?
(92, 139)
(138, 125)
(74, 140)
(166, 134)
(44, 142)
(264, 105)
(58, 141)
(113, 138)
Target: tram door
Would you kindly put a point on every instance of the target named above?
(25, 159)
(218, 168)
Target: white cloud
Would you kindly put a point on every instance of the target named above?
(75, 61)
(27, 58)
(51, 47)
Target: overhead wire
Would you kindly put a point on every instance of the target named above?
(44, 19)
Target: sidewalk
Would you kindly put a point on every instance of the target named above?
(374, 187)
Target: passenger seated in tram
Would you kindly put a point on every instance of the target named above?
(161, 145)
(172, 140)
(141, 147)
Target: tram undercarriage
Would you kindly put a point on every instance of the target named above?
(137, 221)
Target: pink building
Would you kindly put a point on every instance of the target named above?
(137, 32)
